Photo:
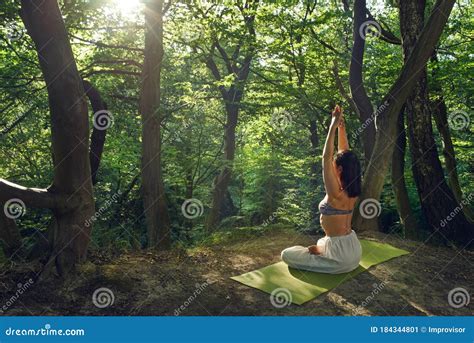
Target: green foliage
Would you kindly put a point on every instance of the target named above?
(291, 84)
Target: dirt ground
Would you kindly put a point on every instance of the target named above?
(196, 281)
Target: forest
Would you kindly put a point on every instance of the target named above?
(155, 148)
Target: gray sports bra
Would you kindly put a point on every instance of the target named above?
(328, 210)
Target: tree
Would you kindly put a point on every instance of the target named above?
(436, 198)
(356, 83)
(237, 68)
(440, 113)
(101, 120)
(362, 22)
(297, 56)
(386, 120)
(70, 197)
(154, 201)
(405, 212)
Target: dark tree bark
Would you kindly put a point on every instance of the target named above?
(385, 35)
(232, 98)
(315, 171)
(154, 201)
(436, 198)
(356, 81)
(228, 207)
(98, 133)
(70, 196)
(386, 120)
(9, 234)
(440, 113)
(222, 181)
(405, 212)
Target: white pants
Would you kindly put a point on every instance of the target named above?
(340, 254)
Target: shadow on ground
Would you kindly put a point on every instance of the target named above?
(196, 281)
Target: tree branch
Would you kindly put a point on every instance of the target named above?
(111, 71)
(34, 197)
(385, 35)
(342, 90)
(110, 46)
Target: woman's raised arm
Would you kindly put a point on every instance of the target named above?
(342, 143)
(329, 175)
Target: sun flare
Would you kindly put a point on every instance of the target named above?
(127, 7)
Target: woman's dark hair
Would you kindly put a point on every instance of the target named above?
(351, 173)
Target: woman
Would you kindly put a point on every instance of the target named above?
(339, 251)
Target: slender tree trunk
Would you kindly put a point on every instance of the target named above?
(99, 130)
(315, 171)
(239, 71)
(356, 82)
(440, 112)
(189, 184)
(228, 208)
(70, 196)
(222, 181)
(405, 212)
(386, 120)
(436, 198)
(154, 201)
(441, 120)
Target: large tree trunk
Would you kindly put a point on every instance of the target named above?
(154, 201)
(407, 218)
(356, 82)
(386, 120)
(436, 198)
(70, 196)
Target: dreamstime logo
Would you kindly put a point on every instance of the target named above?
(458, 209)
(369, 120)
(192, 208)
(47, 330)
(199, 288)
(103, 119)
(103, 297)
(13, 32)
(102, 209)
(370, 27)
(280, 119)
(21, 288)
(281, 297)
(459, 120)
(14, 208)
(458, 297)
(370, 208)
(377, 287)
(288, 199)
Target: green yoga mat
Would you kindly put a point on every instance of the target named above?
(304, 285)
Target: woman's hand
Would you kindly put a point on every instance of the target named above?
(336, 116)
(314, 250)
